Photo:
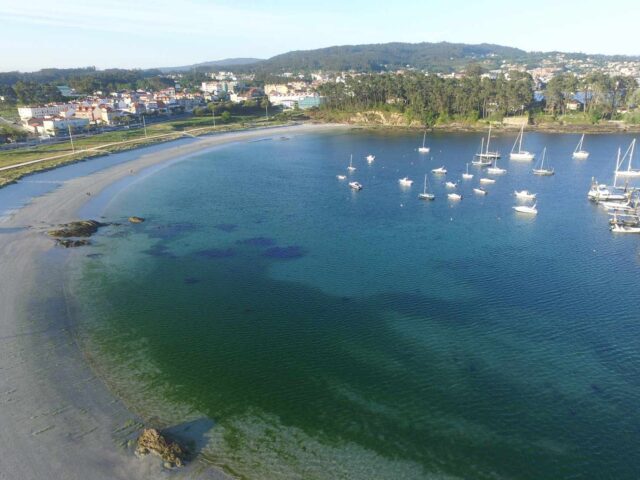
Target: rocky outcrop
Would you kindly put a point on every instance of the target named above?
(72, 243)
(82, 228)
(392, 119)
(151, 441)
(136, 219)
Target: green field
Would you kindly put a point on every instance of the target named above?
(112, 142)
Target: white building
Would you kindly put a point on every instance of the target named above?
(56, 125)
(41, 111)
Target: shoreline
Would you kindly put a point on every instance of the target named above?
(59, 420)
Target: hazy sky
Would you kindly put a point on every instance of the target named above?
(144, 33)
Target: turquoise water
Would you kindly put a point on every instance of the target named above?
(334, 334)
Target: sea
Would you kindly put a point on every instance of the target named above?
(303, 330)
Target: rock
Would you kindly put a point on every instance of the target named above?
(82, 228)
(151, 441)
(136, 219)
(71, 243)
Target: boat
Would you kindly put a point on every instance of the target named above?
(351, 168)
(467, 175)
(486, 156)
(405, 182)
(629, 172)
(355, 185)
(341, 177)
(629, 220)
(579, 153)
(439, 170)
(454, 196)
(487, 180)
(532, 210)
(450, 184)
(618, 228)
(525, 195)
(520, 154)
(480, 191)
(426, 195)
(541, 170)
(601, 193)
(495, 170)
(424, 149)
(371, 158)
(620, 206)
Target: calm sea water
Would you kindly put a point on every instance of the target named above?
(335, 334)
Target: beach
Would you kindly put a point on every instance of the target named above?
(57, 419)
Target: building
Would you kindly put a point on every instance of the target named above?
(57, 125)
(41, 111)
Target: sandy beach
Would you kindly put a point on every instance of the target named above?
(57, 419)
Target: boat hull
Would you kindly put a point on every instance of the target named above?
(524, 156)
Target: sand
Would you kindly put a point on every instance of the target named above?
(57, 419)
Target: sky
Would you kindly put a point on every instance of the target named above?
(144, 34)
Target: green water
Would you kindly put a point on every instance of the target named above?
(333, 334)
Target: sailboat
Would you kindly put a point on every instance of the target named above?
(629, 172)
(541, 170)
(370, 158)
(480, 191)
(579, 153)
(351, 168)
(484, 158)
(467, 175)
(520, 154)
(424, 149)
(426, 195)
(495, 170)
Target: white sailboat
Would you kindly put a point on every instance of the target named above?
(426, 195)
(487, 180)
(520, 154)
(541, 170)
(370, 158)
(532, 210)
(341, 177)
(495, 170)
(467, 175)
(424, 149)
(480, 191)
(486, 157)
(629, 172)
(351, 168)
(579, 153)
(454, 196)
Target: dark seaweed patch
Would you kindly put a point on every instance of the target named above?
(171, 230)
(257, 242)
(216, 253)
(226, 227)
(292, 251)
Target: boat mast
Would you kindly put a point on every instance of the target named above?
(631, 147)
(521, 135)
(424, 138)
(488, 139)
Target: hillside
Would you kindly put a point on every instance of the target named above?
(227, 62)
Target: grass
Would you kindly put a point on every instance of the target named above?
(110, 142)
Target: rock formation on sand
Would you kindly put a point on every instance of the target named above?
(82, 228)
(151, 441)
(71, 243)
(136, 219)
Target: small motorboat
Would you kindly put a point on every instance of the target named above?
(480, 191)
(341, 177)
(487, 180)
(439, 170)
(454, 196)
(371, 158)
(355, 185)
(529, 210)
(405, 182)
(450, 184)
(525, 195)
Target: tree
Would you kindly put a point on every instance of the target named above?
(225, 116)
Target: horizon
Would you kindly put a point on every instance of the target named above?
(219, 30)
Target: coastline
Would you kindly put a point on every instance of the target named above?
(59, 420)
